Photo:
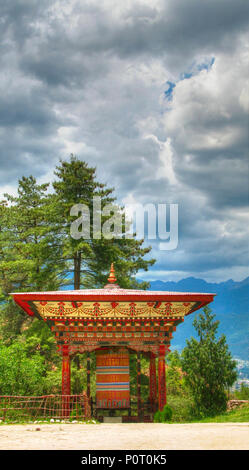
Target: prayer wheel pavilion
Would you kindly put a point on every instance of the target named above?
(113, 321)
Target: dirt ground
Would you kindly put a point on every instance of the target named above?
(142, 436)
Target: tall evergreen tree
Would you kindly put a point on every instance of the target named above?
(29, 251)
(37, 250)
(208, 364)
(90, 257)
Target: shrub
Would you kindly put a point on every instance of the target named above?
(163, 416)
(183, 408)
(20, 374)
(166, 414)
(158, 417)
(243, 393)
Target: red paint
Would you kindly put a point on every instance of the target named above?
(72, 341)
(161, 377)
(153, 382)
(66, 389)
(65, 370)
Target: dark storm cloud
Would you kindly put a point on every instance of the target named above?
(177, 33)
(176, 26)
(18, 148)
(181, 28)
(90, 78)
(25, 109)
(225, 184)
(18, 16)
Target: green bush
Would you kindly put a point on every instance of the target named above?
(183, 408)
(158, 417)
(167, 413)
(163, 416)
(20, 374)
(51, 383)
(243, 393)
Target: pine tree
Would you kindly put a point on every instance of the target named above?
(209, 366)
(29, 252)
(89, 258)
(37, 250)
(30, 258)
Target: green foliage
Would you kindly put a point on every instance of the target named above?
(163, 416)
(174, 375)
(208, 365)
(37, 337)
(243, 393)
(37, 251)
(238, 415)
(30, 255)
(89, 259)
(12, 319)
(158, 417)
(173, 359)
(36, 254)
(167, 413)
(183, 408)
(144, 377)
(51, 382)
(19, 374)
(78, 379)
(76, 411)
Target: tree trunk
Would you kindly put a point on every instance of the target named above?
(77, 266)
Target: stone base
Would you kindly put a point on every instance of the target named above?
(231, 404)
(112, 419)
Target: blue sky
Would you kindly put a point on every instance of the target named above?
(153, 93)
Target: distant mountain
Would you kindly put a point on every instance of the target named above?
(231, 306)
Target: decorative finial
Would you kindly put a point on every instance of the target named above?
(112, 277)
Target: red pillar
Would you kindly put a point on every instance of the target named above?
(139, 411)
(88, 370)
(153, 383)
(161, 377)
(65, 381)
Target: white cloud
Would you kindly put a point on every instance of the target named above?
(90, 78)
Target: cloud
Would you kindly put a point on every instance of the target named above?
(153, 93)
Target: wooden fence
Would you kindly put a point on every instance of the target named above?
(46, 407)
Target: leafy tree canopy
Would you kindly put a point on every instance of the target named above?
(208, 364)
(20, 374)
(38, 253)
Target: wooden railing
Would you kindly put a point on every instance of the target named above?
(46, 407)
(66, 407)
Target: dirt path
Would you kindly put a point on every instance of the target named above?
(125, 436)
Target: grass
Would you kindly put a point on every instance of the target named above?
(181, 414)
(239, 415)
(183, 409)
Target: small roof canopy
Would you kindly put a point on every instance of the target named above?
(113, 293)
